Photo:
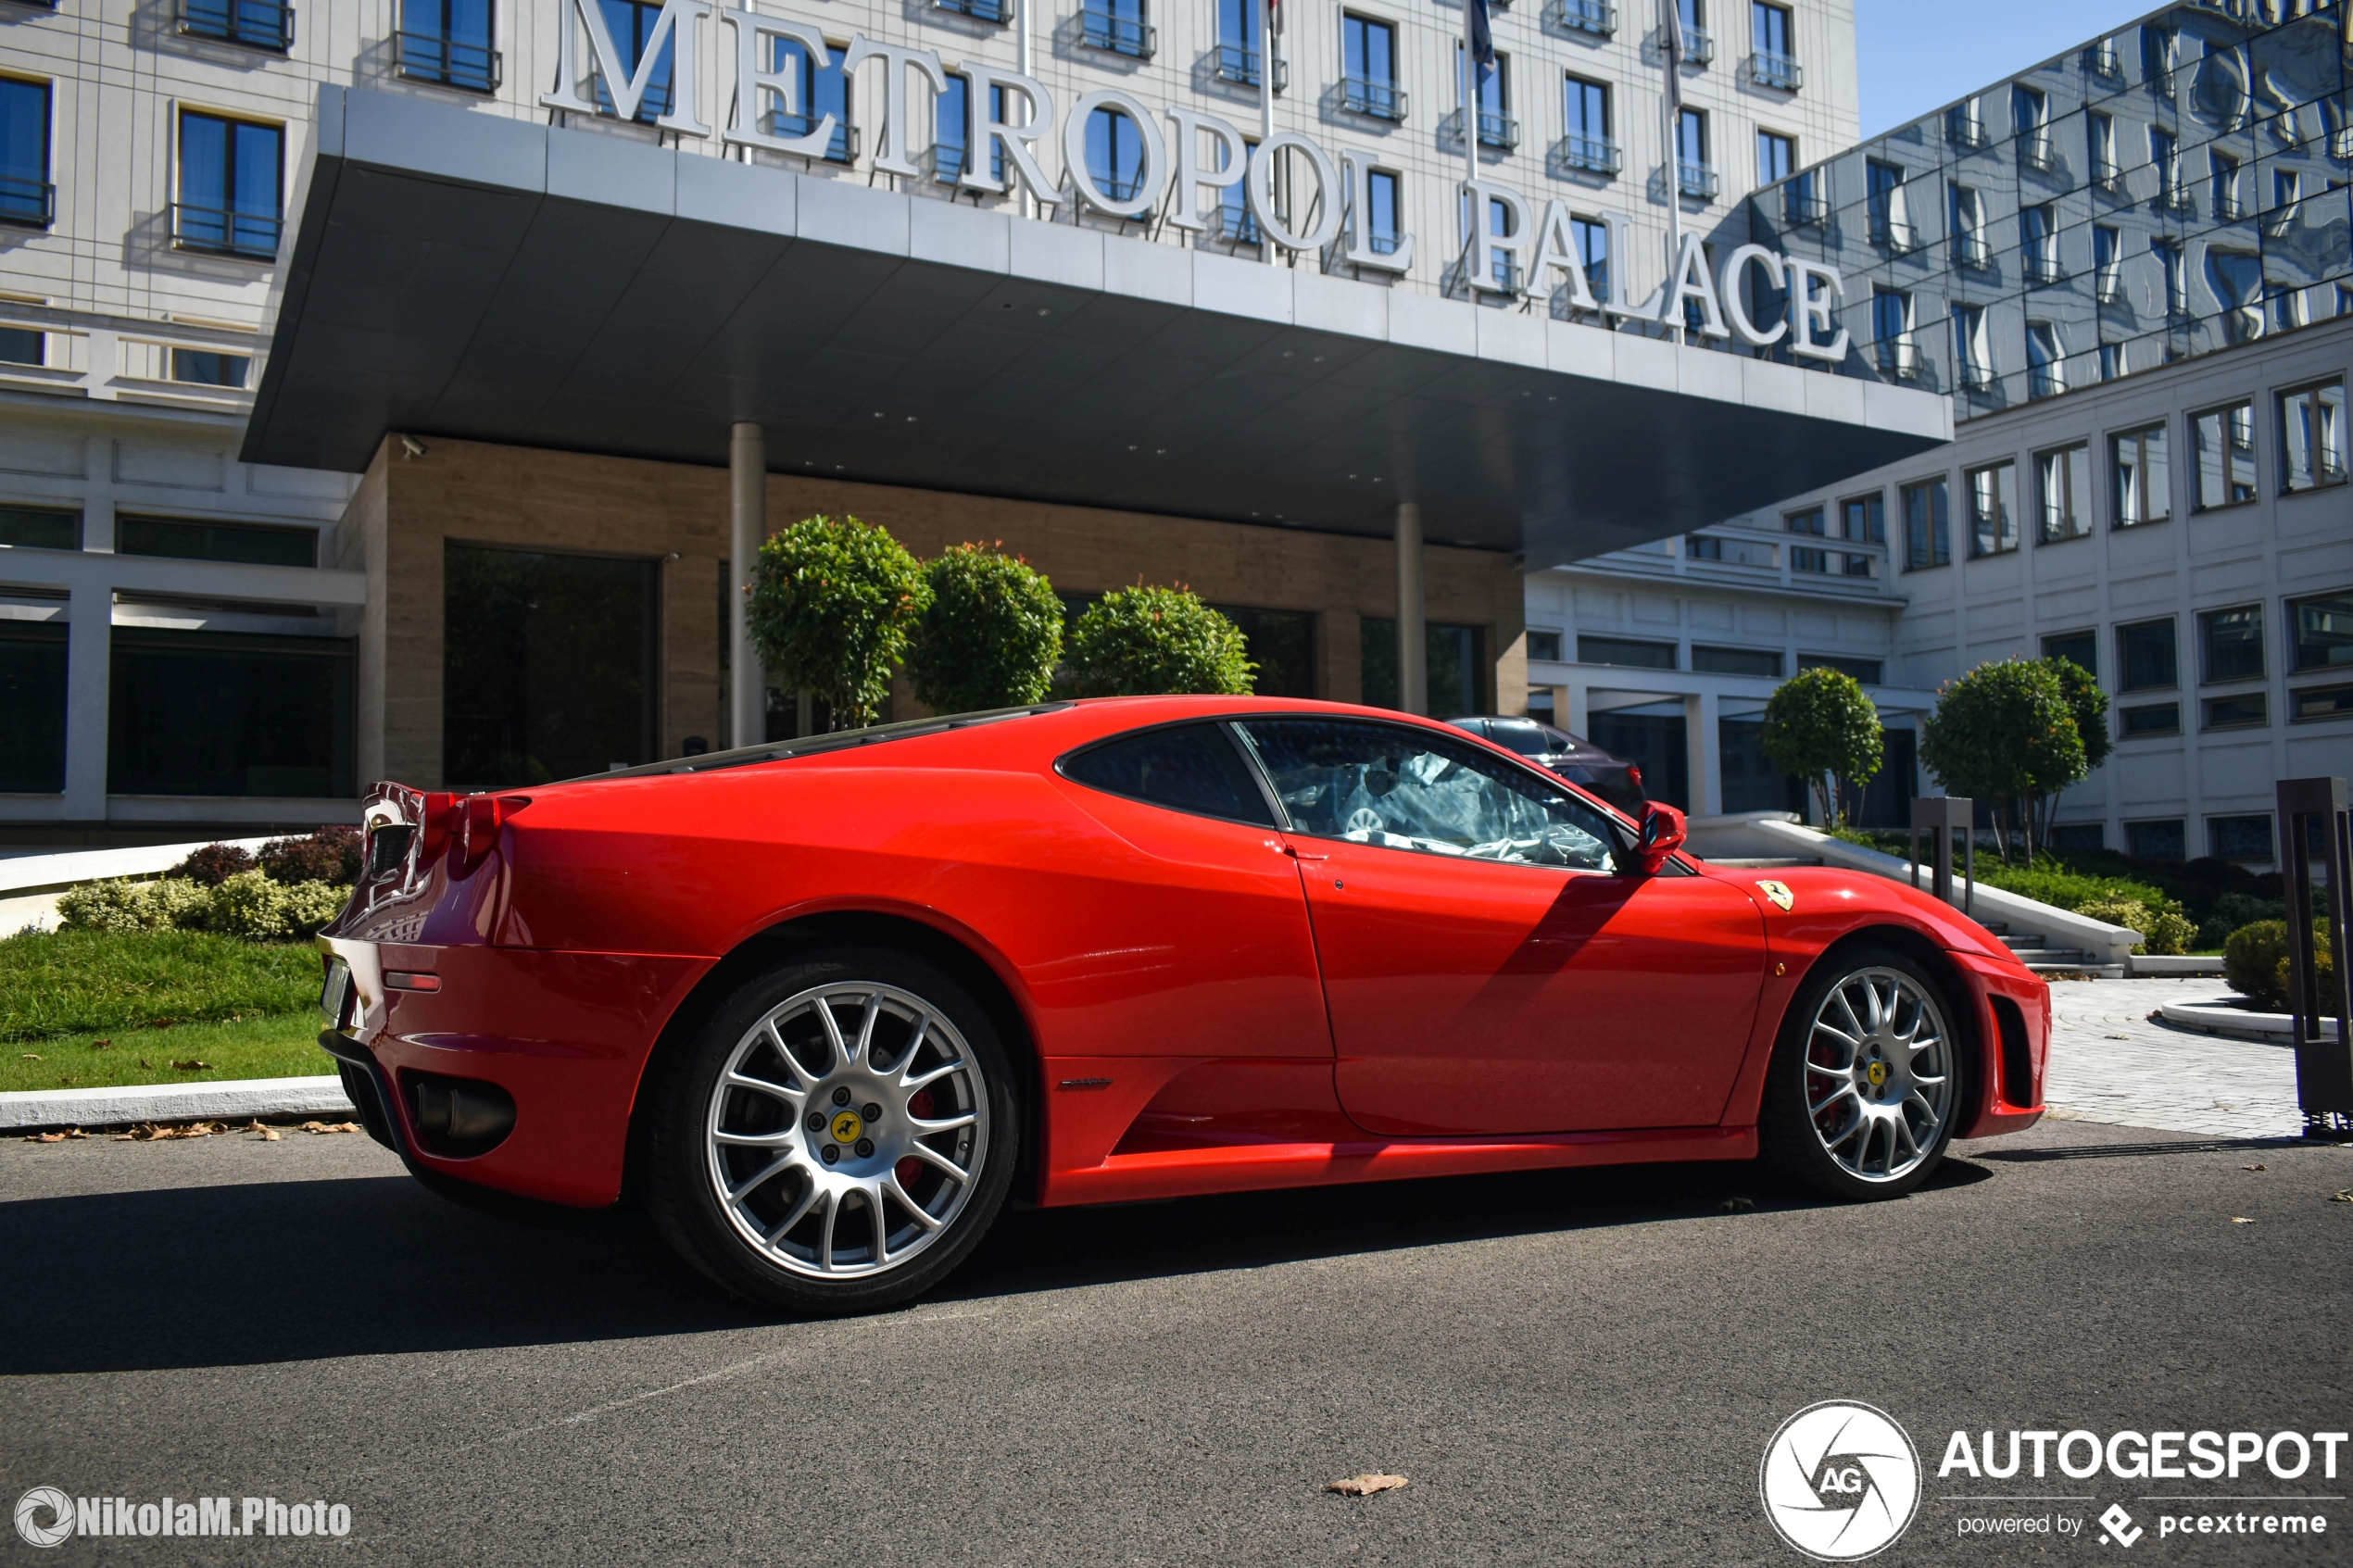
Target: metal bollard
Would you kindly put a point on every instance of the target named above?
(1939, 815)
(2316, 825)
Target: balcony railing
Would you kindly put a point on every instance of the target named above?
(997, 11)
(1499, 131)
(2109, 178)
(2108, 285)
(2042, 269)
(1900, 357)
(1696, 181)
(1776, 70)
(1699, 46)
(1237, 224)
(1976, 377)
(256, 24)
(2101, 61)
(2228, 208)
(1894, 235)
(1369, 95)
(1234, 63)
(1594, 154)
(841, 148)
(1965, 129)
(2035, 152)
(2174, 197)
(1132, 36)
(1596, 17)
(29, 204)
(426, 57)
(1972, 252)
(221, 232)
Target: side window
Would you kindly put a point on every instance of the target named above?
(1186, 767)
(1408, 789)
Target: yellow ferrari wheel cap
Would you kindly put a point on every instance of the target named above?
(1877, 1073)
(847, 1126)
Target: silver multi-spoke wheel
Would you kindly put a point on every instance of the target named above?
(846, 1130)
(1879, 1075)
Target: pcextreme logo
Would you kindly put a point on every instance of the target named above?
(1840, 1481)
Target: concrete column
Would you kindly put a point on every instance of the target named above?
(1701, 737)
(1413, 638)
(89, 661)
(748, 493)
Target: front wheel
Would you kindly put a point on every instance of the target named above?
(839, 1136)
(1865, 1079)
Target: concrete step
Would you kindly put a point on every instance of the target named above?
(2016, 942)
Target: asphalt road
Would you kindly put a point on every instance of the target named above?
(1575, 1367)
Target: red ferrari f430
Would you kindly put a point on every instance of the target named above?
(824, 1005)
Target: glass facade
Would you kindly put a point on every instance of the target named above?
(216, 714)
(2177, 188)
(33, 706)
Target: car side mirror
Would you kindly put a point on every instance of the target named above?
(1661, 833)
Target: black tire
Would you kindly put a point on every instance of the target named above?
(872, 1186)
(1795, 1141)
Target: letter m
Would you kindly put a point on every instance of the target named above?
(664, 67)
(212, 1516)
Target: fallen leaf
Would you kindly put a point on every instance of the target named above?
(30, 1057)
(100, 1045)
(2120, 1037)
(161, 1023)
(2255, 1167)
(1365, 1485)
(2241, 1220)
(257, 1126)
(1736, 1205)
(331, 1127)
(2343, 1197)
(56, 1137)
(192, 1065)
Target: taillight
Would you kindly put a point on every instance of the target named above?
(480, 818)
(1634, 775)
(438, 823)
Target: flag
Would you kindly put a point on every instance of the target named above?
(1275, 18)
(1482, 42)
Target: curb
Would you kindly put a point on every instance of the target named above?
(2237, 1023)
(2195, 966)
(29, 1110)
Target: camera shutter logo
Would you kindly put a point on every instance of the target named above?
(59, 1507)
(1840, 1481)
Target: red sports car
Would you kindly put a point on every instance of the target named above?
(823, 1006)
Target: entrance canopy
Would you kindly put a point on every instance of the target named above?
(463, 273)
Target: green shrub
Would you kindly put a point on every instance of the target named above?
(2235, 909)
(2323, 960)
(2255, 961)
(135, 906)
(250, 905)
(1148, 642)
(81, 981)
(2163, 930)
(991, 636)
(2069, 890)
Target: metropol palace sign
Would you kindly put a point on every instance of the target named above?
(1172, 168)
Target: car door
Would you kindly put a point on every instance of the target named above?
(1489, 964)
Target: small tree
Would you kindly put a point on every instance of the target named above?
(1819, 726)
(831, 607)
(2088, 706)
(1145, 641)
(2005, 733)
(991, 635)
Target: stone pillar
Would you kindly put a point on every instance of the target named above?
(1702, 734)
(1413, 638)
(748, 493)
(89, 670)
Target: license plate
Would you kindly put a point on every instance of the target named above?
(335, 995)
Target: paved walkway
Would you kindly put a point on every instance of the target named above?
(2109, 1063)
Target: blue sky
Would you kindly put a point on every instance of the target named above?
(1914, 54)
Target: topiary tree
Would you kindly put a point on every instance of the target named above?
(2088, 704)
(991, 635)
(1819, 726)
(2005, 733)
(832, 604)
(1142, 642)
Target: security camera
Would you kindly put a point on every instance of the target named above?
(411, 447)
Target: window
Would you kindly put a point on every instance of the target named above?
(1502, 268)
(39, 528)
(1400, 788)
(1591, 235)
(2320, 702)
(2155, 841)
(2144, 655)
(1802, 206)
(2107, 262)
(2100, 133)
(257, 24)
(2231, 641)
(26, 198)
(2240, 710)
(2031, 123)
(1775, 157)
(2112, 364)
(1115, 154)
(1928, 531)
(1810, 521)
(1971, 347)
(951, 126)
(1699, 546)
(1596, 17)
(1864, 519)
(1965, 124)
(1589, 145)
(1238, 43)
(1803, 558)
(1890, 217)
(1644, 655)
(1454, 658)
(201, 367)
(1970, 249)
(1694, 174)
(2079, 835)
(32, 704)
(1369, 84)
(1775, 62)
(2038, 243)
(2177, 278)
(1993, 508)
(1381, 201)
(2165, 152)
(22, 345)
(1193, 768)
(2079, 648)
(2222, 444)
(2322, 629)
(1544, 648)
(230, 187)
(1281, 643)
(212, 713)
(1765, 662)
(2239, 838)
(1891, 332)
(822, 89)
(2313, 436)
(448, 42)
(2288, 195)
(2045, 362)
(2222, 178)
(186, 539)
(1119, 26)
(2064, 478)
(1235, 222)
(2144, 482)
(1868, 670)
(2150, 719)
(2160, 52)
(548, 665)
(633, 24)
(1496, 126)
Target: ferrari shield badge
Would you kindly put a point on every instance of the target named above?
(1779, 892)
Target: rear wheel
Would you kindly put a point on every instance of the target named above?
(840, 1135)
(1866, 1080)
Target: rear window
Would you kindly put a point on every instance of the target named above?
(1186, 767)
(1523, 735)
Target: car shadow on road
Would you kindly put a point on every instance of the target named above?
(248, 1273)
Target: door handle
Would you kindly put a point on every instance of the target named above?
(1296, 853)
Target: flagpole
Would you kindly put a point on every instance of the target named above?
(1474, 223)
(1266, 102)
(1671, 45)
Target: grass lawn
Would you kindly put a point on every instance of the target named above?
(281, 1044)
